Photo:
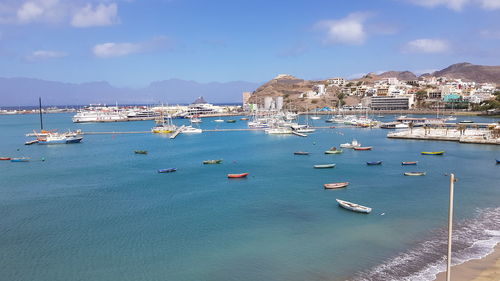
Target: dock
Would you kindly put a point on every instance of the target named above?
(477, 135)
(178, 131)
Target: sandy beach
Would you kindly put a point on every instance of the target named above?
(485, 269)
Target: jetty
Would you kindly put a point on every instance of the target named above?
(178, 131)
(459, 134)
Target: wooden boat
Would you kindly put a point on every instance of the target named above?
(301, 153)
(237, 176)
(324, 166)
(5, 158)
(432, 152)
(212, 161)
(354, 207)
(414, 174)
(335, 185)
(363, 148)
(21, 159)
(140, 151)
(409, 163)
(169, 170)
(230, 121)
(374, 163)
(334, 151)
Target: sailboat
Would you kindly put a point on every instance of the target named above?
(164, 125)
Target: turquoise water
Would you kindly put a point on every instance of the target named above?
(97, 211)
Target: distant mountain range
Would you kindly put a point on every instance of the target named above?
(25, 91)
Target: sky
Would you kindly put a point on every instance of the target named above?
(132, 43)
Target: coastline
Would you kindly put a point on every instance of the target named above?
(484, 269)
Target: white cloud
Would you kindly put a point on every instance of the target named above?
(458, 5)
(111, 49)
(44, 54)
(102, 15)
(490, 4)
(39, 10)
(430, 46)
(349, 30)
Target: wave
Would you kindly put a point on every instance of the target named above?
(472, 239)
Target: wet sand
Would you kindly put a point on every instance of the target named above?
(485, 269)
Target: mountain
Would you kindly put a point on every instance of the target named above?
(400, 75)
(471, 72)
(25, 91)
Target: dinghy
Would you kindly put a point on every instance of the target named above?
(301, 153)
(324, 166)
(335, 185)
(354, 207)
(212, 161)
(169, 170)
(236, 176)
(374, 163)
(414, 174)
(432, 152)
(409, 163)
(363, 148)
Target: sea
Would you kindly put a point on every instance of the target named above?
(97, 211)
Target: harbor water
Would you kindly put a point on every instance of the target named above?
(97, 211)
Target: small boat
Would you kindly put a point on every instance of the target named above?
(354, 207)
(191, 130)
(212, 161)
(31, 142)
(301, 153)
(230, 121)
(5, 158)
(380, 116)
(353, 144)
(315, 117)
(20, 159)
(195, 120)
(218, 120)
(169, 170)
(432, 152)
(334, 151)
(414, 174)
(335, 185)
(409, 163)
(374, 163)
(243, 119)
(363, 148)
(236, 176)
(140, 151)
(498, 161)
(466, 121)
(324, 166)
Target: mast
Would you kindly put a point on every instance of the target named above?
(40, 110)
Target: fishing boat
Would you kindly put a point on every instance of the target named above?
(140, 151)
(212, 161)
(334, 151)
(169, 170)
(432, 152)
(374, 163)
(236, 176)
(324, 166)
(409, 163)
(353, 144)
(363, 148)
(335, 185)
(20, 159)
(354, 207)
(414, 174)
(231, 121)
(301, 153)
(4, 158)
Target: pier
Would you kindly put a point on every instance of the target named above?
(476, 136)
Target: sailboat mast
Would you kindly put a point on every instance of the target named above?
(40, 110)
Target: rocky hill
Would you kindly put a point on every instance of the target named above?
(471, 72)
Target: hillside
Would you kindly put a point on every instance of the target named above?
(471, 72)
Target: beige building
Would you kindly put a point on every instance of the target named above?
(246, 97)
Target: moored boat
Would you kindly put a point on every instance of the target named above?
(169, 170)
(5, 158)
(243, 119)
(324, 166)
(231, 121)
(218, 161)
(140, 151)
(354, 207)
(20, 159)
(31, 142)
(363, 148)
(335, 185)
(334, 151)
(301, 153)
(374, 163)
(409, 163)
(353, 144)
(498, 161)
(414, 174)
(218, 120)
(432, 152)
(235, 176)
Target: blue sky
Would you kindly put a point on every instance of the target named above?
(132, 43)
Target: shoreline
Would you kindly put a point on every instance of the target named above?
(483, 269)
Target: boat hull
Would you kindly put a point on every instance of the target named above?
(414, 174)
(354, 207)
(334, 151)
(409, 163)
(237, 176)
(301, 153)
(324, 166)
(212, 161)
(432, 152)
(170, 170)
(335, 185)
(374, 163)
(363, 148)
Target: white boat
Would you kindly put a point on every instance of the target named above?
(354, 207)
(401, 126)
(315, 117)
(353, 144)
(195, 120)
(279, 131)
(218, 120)
(191, 130)
(58, 138)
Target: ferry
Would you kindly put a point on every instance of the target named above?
(99, 113)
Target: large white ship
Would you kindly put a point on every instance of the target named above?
(99, 113)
